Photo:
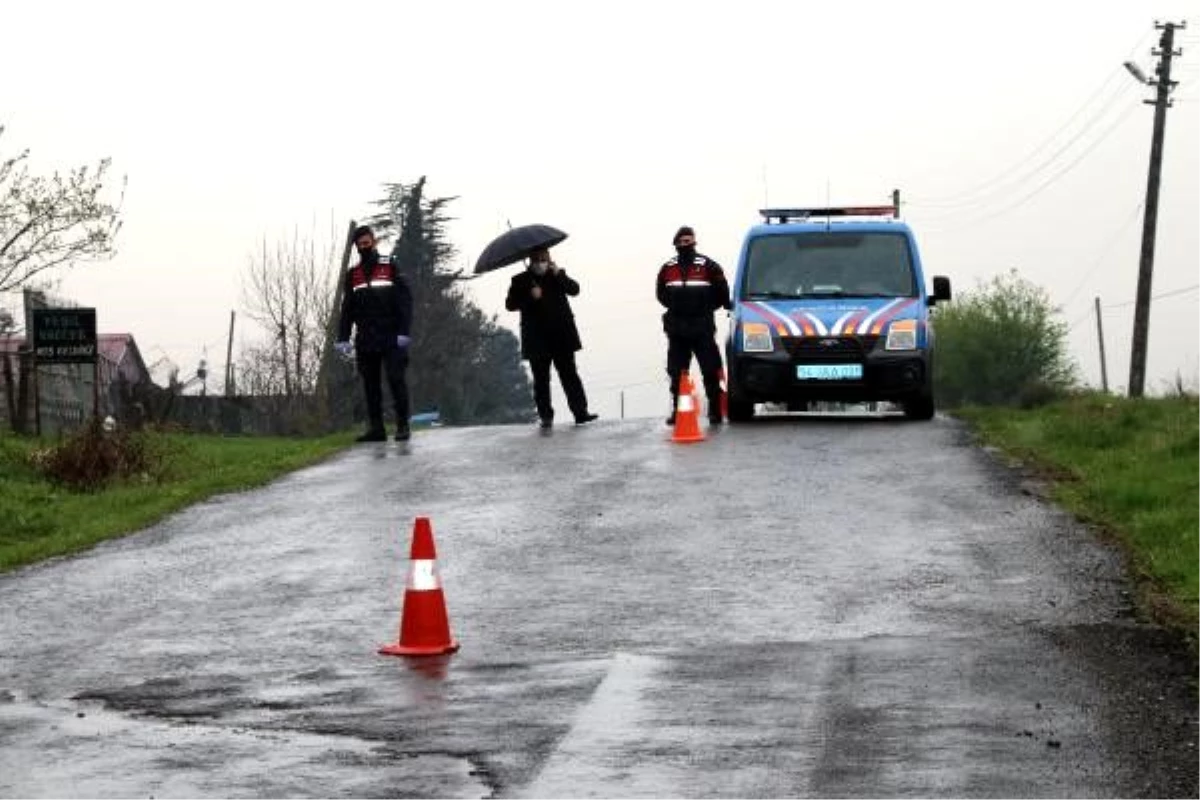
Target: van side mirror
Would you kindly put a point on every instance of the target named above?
(941, 290)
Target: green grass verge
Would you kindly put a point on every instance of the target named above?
(39, 520)
(1130, 467)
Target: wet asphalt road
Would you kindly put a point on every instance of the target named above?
(797, 607)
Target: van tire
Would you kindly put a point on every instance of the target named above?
(920, 407)
(740, 410)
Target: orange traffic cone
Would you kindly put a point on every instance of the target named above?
(424, 625)
(687, 414)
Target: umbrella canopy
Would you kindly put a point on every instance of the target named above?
(516, 245)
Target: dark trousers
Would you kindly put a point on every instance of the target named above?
(568, 376)
(679, 358)
(370, 366)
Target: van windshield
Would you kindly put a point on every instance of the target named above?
(836, 264)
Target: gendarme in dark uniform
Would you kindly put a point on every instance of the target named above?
(692, 287)
(378, 305)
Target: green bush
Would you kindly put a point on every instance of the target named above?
(1001, 345)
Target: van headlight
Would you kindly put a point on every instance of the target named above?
(756, 338)
(902, 335)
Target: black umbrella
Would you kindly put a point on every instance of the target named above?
(516, 245)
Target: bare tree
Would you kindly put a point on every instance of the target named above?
(53, 222)
(288, 289)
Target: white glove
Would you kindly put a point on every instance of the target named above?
(344, 349)
(403, 341)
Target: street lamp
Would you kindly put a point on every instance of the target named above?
(1136, 72)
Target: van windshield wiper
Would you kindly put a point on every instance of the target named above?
(773, 296)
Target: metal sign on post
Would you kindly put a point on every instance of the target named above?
(64, 335)
(67, 336)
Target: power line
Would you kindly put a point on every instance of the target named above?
(1082, 318)
(1053, 178)
(1001, 184)
(987, 186)
(1172, 293)
(1104, 253)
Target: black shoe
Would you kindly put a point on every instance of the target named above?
(546, 423)
(671, 420)
(585, 418)
(373, 435)
(403, 434)
(715, 419)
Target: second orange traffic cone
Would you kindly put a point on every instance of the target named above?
(424, 624)
(687, 413)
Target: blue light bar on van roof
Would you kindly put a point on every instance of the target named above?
(788, 214)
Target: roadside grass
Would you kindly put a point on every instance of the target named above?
(1129, 467)
(40, 519)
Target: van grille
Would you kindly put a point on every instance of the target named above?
(831, 348)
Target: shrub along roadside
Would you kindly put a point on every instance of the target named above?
(1130, 467)
(159, 473)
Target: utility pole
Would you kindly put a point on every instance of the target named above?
(1162, 101)
(1103, 360)
(229, 388)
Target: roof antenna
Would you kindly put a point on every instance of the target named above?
(828, 204)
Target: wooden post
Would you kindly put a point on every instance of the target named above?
(37, 394)
(229, 357)
(1103, 360)
(325, 373)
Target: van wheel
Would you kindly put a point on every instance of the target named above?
(740, 410)
(920, 406)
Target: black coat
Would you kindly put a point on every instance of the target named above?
(691, 289)
(377, 303)
(547, 324)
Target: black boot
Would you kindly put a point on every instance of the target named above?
(715, 417)
(373, 434)
(712, 391)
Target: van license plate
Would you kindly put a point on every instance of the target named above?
(829, 372)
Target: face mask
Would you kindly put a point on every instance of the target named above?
(539, 267)
(686, 250)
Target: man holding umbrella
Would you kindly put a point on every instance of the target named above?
(548, 333)
(377, 303)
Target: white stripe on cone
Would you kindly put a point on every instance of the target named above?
(423, 577)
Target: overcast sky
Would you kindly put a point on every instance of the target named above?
(1014, 131)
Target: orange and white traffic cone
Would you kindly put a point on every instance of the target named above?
(424, 625)
(687, 413)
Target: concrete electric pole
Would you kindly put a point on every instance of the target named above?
(1162, 101)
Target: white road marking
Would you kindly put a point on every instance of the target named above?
(592, 759)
